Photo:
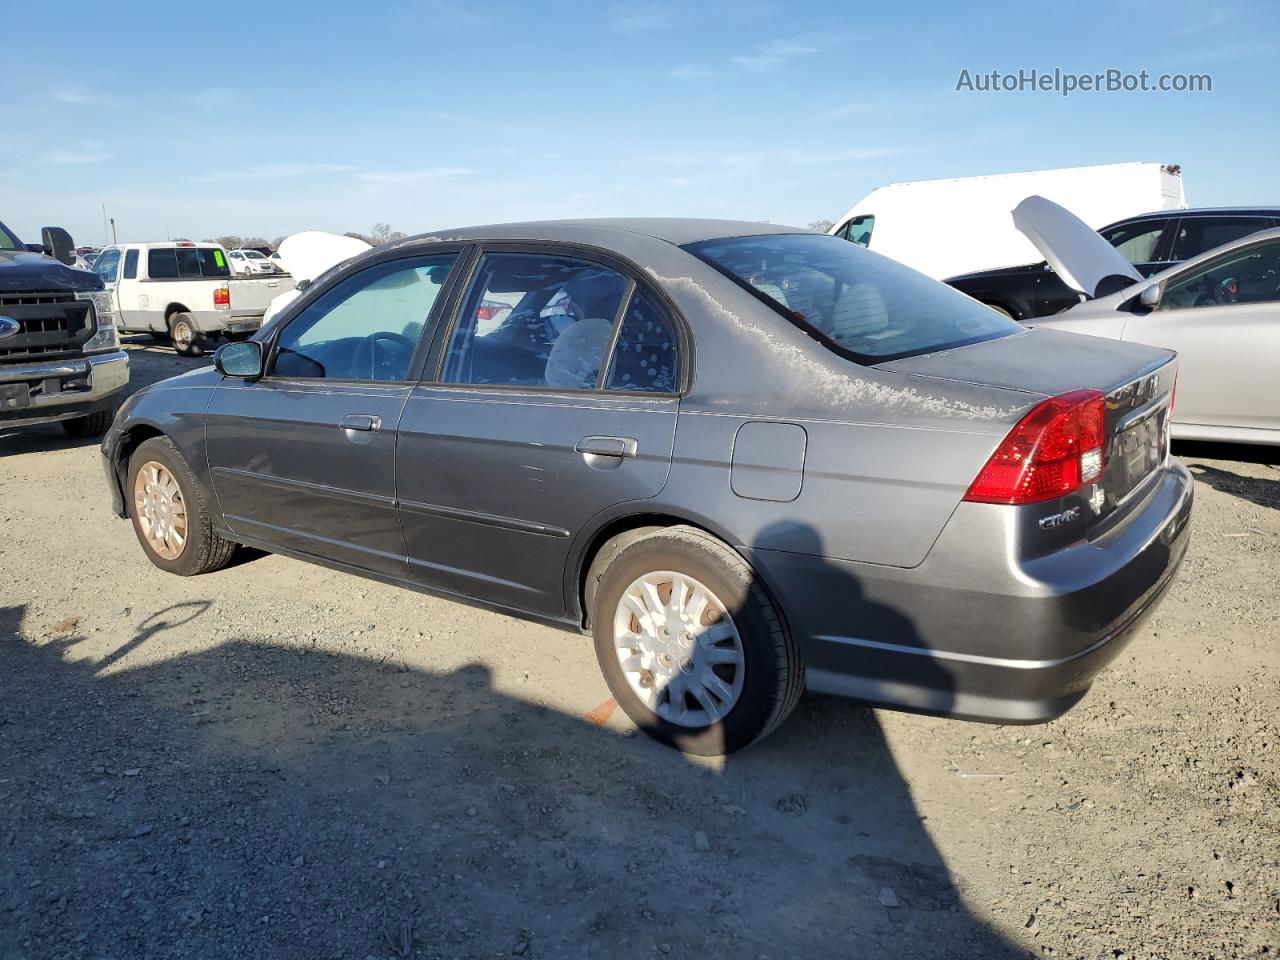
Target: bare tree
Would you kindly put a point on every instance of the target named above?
(382, 233)
(821, 226)
(229, 242)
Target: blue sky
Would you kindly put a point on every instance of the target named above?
(272, 116)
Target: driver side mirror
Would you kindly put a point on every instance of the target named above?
(58, 244)
(1150, 297)
(242, 359)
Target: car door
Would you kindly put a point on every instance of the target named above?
(304, 458)
(1223, 318)
(555, 399)
(128, 290)
(107, 267)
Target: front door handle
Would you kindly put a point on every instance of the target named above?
(361, 421)
(619, 447)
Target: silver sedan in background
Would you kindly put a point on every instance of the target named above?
(1220, 311)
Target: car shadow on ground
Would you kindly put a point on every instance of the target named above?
(255, 799)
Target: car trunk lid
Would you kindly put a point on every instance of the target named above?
(1135, 380)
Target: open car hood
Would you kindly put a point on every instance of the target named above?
(1074, 249)
(311, 252)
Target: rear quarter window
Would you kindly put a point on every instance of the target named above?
(864, 306)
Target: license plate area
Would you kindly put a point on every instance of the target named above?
(14, 396)
(1138, 450)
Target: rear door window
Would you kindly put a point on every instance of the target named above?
(645, 352)
(531, 320)
(864, 306)
(1198, 234)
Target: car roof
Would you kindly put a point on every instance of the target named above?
(162, 244)
(1202, 212)
(676, 230)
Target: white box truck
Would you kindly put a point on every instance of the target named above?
(948, 227)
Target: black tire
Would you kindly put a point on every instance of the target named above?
(187, 339)
(204, 550)
(91, 425)
(773, 671)
(1001, 310)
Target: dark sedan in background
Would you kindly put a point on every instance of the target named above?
(749, 459)
(1151, 242)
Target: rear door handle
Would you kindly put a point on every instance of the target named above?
(619, 447)
(360, 421)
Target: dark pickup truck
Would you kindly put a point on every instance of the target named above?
(60, 356)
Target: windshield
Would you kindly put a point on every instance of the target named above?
(8, 241)
(254, 255)
(857, 302)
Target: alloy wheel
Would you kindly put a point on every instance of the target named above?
(160, 509)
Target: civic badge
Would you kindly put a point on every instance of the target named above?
(9, 327)
(1097, 499)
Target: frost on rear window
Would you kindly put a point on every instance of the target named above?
(858, 302)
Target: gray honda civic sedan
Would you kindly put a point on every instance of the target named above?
(749, 460)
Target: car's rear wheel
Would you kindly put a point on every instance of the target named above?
(1001, 310)
(170, 517)
(187, 340)
(691, 645)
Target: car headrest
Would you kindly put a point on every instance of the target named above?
(574, 361)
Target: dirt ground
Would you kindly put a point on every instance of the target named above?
(278, 761)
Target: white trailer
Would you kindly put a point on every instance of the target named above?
(944, 228)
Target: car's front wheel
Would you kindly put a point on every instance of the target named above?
(170, 517)
(691, 645)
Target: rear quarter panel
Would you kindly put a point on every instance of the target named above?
(887, 458)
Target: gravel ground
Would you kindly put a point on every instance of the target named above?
(281, 761)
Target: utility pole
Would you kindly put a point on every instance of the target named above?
(104, 223)
(113, 230)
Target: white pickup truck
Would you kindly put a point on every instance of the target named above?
(184, 291)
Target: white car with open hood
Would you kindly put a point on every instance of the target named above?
(309, 254)
(1220, 311)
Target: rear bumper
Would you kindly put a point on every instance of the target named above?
(226, 321)
(975, 633)
(65, 389)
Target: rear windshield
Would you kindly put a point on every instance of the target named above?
(857, 302)
(186, 263)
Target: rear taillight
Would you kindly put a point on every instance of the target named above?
(1054, 450)
(222, 298)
